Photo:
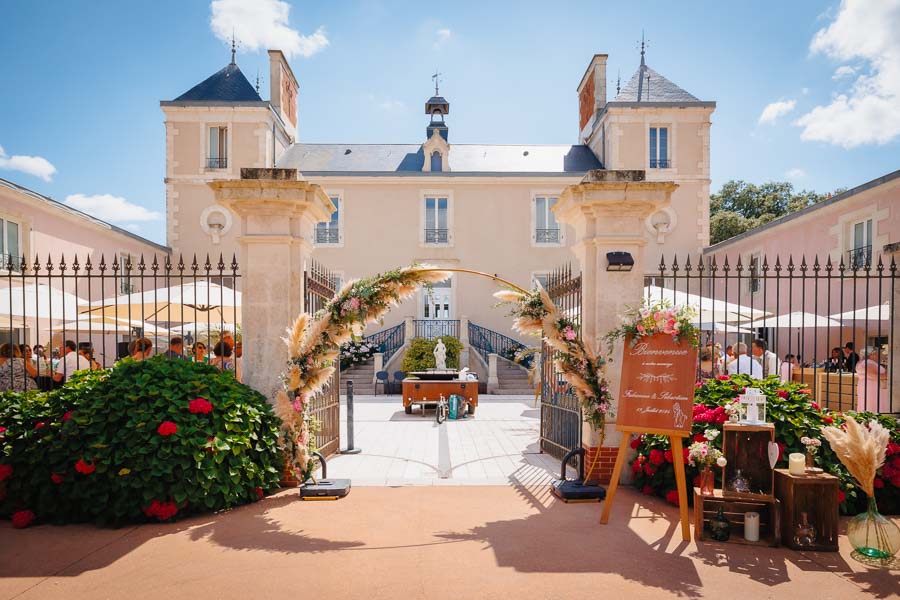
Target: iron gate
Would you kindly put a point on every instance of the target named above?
(560, 409)
(319, 286)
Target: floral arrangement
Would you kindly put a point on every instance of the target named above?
(789, 406)
(657, 317)
(582, 368)
(355, 352)
(812, 445)
(314, 345)
(702, 454)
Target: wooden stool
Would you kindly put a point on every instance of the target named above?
(817, 496)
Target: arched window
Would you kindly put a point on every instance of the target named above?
(436, 164)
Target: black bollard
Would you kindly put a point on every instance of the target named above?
(350, 449)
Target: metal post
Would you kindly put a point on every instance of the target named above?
(350, 449)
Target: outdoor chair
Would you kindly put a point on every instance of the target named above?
(382, 378)
(399, 376)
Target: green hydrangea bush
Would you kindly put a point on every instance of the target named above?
(795, 415)
(151, 440)
(420, 355)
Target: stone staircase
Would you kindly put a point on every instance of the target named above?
(361, 375)
(512, 379)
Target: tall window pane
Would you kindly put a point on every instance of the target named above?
(653, 146)
(214, 142)
(551, 218)
(442, 213)
(12, 239)
(663, 146)
(429, 213)
(540, 209)
(2, 238)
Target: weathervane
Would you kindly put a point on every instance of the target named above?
(233, 45)
(618, 81)
(437, 80)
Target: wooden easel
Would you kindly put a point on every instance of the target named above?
(675, 437)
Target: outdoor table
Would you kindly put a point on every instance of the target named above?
(423, 391)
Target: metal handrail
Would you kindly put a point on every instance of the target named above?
(487, 342)
(387, 341)
(860, 257)
(434, 328)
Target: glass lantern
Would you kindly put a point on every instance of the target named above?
(752, 407)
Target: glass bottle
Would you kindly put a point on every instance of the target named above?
(719, 526)
(872, 536)
(805, 532)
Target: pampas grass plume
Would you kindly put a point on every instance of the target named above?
(861, 450)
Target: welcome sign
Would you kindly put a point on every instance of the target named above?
(657, 385)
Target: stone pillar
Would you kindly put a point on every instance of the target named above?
(378, 364)
(409, 329)
(464, 340)
(277, 212)
(607, 210)
(493, 381)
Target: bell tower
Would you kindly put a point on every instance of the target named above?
(437, 107)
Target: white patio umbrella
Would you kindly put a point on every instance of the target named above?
(39, 301)
(196, 328)
(200, 302)
(798, 319)
(723, 328)
(105, 324)
(872, 313)
(709, 310)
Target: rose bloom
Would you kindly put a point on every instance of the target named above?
(22, 519)
(84, 468)
(814, 405)
(166, 428)
(668, 455)
(656, 457)
(200, 405)
(878, 483)
(782, 393)
(67, 416)
(724, 378)
(827, 420)
(841, 496)
(6, 471)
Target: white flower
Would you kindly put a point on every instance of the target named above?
(364, 349)
(711, 434)
(722, 461)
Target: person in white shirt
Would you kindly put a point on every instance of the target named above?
(766, 357)
(787, 367)
(72, 362)
(743, 363)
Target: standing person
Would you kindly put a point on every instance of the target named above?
(13, 374)
(787, 367)
(142, 349)
(71, 363)
(707, 368)
(28, 359)
(729, 355)
(176, 349)
(743, 363)
(200, 353)
(835, 363)
(224, 359)
(767, 359)
(869, 373)
(850, 357)
(43, 366)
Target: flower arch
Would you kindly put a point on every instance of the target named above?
(313, 346)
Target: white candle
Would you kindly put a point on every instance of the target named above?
(751, 526)
(752, 413)
(797, 464)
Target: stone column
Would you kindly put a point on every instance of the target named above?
(607, 210)
(493, 381)
(464, 340)
(277, 212)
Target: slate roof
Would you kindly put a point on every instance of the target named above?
(660, 89)
(408, 159)
(227, 85)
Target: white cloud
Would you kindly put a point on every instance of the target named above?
(795, 173)
(870, 112)
(442, 36)
(32, 165)
(263, 25)
(114, 209)
(773, 111)
(844, 71)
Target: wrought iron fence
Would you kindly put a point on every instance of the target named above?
(437, 236)
(487, 342)
(434, 328)
(546, 236)
(830, 325)
(64, 315)
(560, 409)
(387, 341)
(319, 286)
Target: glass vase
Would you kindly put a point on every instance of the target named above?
(873, 536)
(719, 526)
(707, 482)
(805, 532)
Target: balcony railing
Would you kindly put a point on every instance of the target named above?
(487, 342)
(10, 263)
(216, 163)
(861, 257)
(546, 236)
(387, 341)
(327, 236)
(660, 163)
(434, 328)
(437, 236)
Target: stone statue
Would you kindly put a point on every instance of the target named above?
(440, 355)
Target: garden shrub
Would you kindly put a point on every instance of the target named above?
(795, 415)
(420, 355)
(355, 353)
(155, 439)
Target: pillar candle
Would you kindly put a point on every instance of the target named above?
(752, 413)
(751, 526)
(797, 464)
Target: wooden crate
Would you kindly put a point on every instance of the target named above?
(816, 495)
(836, 391)
(746, 447)
(769, 509)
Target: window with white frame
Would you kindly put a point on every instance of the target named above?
(437, 163)
(217, 155)
(546, 229)
(860, 253)
(11, 249)
(542, 278)
(659, 148)
(437, 220)
(329, 232)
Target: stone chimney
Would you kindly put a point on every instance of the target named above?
(283, 88)
(591, 94)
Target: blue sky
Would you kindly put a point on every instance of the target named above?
(806, 91)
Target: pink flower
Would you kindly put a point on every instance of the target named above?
(354, 303)
(640, 328)
(298, 406)
(39, 425)
(814, 405)
(569, 333)
(782, 393)
(724, 378)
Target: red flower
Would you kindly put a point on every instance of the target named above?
(166, 428)
(39, 425)
(841, 496)
(67, 416)
(878, 483)
(685, 452)
(827, 420)
(806, 391)
(636, 467)
(22, 519)
(724, 378)
(647, 490)
(892, 448)
(782, 393)
(649, 471)
(2, 429)
(814, 405)
(200, 405)
(699, 384)
(5, 471)
(163, 511)
(656, 457)
(84, 468)
(668, 455)
(56, 478)
(895, 480)
(672, 497)
(259, 493)
(636, 442)
(699, 437)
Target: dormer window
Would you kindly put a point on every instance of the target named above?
(437, 164)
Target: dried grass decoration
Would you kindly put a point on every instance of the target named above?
(582, 368)
(313, 344)
(862, 450)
